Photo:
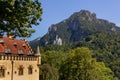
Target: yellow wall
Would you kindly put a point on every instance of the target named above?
(16, 63)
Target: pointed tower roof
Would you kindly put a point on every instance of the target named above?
(38, 51)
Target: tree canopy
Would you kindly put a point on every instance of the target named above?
(81, 66)
(51, 62)
(18, 16)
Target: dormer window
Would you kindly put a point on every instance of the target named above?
(29, 52)
(15, 44)
(20, 52)
(23, 45)
(7, 50)
(1, 41)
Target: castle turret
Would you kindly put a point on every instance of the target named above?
(38, 56)
(38, 51)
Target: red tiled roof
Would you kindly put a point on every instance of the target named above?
(14, 46)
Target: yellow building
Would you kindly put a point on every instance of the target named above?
(17, 60)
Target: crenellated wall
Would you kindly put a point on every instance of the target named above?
(12, 63)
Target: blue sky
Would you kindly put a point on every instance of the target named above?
(55, 11)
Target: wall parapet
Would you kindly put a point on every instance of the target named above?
(18, 57)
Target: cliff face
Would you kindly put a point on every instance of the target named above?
(78, 26)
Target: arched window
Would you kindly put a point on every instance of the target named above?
(20, 70)
(2, 71)
(30, 69)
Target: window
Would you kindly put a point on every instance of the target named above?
(30, 70)
(7, 50)
(15, 44)
(23, 45)
(20, 70)
(20, 52)
(1, 40)
(29, 52)
(2, 71)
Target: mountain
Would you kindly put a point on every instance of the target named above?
(34, 43)
(78, 26)
(84, 29)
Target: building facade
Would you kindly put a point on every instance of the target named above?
(17, 60)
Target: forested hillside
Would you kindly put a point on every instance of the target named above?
(104, 46)
(61, 63)
(80, 41)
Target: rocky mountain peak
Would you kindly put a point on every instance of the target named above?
(84, 15)
(78, 26)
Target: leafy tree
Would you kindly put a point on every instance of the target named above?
(105, 47)
(51, 62)
(115, 66)
(81, 66)
(48, 72)
(18, 16)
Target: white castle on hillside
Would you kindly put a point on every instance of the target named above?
(58, 40)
